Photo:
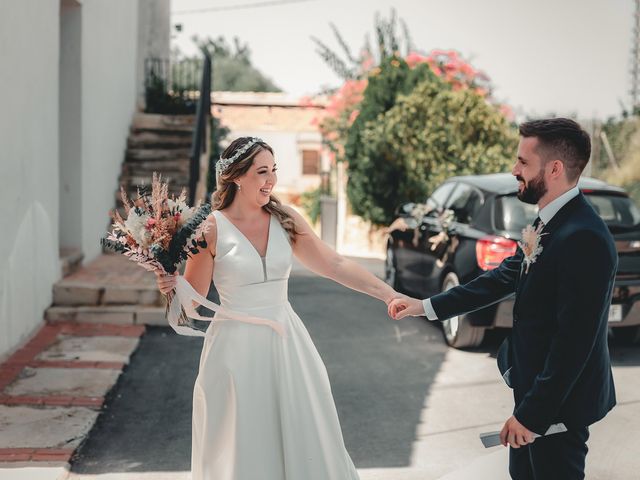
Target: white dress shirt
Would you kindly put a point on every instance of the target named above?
(546, 214)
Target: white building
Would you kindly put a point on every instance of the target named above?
(71, 80)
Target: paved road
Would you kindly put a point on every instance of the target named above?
(410, 408)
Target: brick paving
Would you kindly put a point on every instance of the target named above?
(23, 369)
(52, 388)
(35, 454)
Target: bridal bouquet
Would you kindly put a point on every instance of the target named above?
(159, 232)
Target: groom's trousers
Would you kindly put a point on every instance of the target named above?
(557, 457)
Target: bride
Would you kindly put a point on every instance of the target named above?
(262, 403)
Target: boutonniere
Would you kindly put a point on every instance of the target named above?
(530, 244)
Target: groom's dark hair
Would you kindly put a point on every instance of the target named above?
(562, 139)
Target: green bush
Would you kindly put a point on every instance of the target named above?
(311, 204)
(409, 139)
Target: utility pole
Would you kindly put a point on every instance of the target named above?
(635, 59)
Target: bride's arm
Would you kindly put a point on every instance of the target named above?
(199, 267)
(318, 257)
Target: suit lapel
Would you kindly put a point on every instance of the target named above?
(558, 219)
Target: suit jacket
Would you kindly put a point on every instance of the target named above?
(557, 351)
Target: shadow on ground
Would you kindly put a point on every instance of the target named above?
(146, 423)
(381, 373)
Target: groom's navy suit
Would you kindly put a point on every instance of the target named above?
(557, 353)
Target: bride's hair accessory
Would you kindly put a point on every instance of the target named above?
(224, 163)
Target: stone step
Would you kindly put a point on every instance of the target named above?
(157, 140)
(174, 191)
(84, 294)
(145, 154)
(114, 314)
(133, 179)
(176, 182)
(164, 167)
(152, 122)
(162, 132)
(70, 260)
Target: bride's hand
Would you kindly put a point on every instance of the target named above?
(403, 307)
(166, 283)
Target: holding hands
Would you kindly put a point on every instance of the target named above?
(405, 306)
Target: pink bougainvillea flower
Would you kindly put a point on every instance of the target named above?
(352, 117)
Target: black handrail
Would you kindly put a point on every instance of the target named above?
(171, 87)
(199, 138)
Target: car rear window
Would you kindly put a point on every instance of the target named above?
(513, 215)
(617, 211)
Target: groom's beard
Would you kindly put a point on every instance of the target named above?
(533, 190)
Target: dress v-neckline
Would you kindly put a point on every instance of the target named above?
(266, 251)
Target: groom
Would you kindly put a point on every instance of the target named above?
(557, 359)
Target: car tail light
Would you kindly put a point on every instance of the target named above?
(492, 250)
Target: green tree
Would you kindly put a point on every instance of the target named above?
(232, 67)
(414, 131)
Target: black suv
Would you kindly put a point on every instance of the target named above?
(471, 223)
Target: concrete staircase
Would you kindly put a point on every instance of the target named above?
(157, 143)
(110, 289)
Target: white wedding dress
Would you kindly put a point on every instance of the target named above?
(262, 403)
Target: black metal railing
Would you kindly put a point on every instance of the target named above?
(172, 86)
(182, 87)
(203, 113)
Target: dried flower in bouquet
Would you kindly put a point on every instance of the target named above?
(159, 232)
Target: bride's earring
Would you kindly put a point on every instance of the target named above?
(239, 186)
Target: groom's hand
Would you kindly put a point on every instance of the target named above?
(515, 434)
(403, 307)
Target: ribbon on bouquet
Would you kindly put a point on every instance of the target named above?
(184, 298)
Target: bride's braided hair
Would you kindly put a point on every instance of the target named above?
(226, 187)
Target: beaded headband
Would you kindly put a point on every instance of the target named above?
(223, 163)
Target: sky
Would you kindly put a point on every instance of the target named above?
(567, 57)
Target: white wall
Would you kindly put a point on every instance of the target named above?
(109, 59)
(70, 139)
(154, 36)
(29, 36)
(62, 139)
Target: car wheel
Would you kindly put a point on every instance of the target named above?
(626, 335)
(458, 332)
(390, 269)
